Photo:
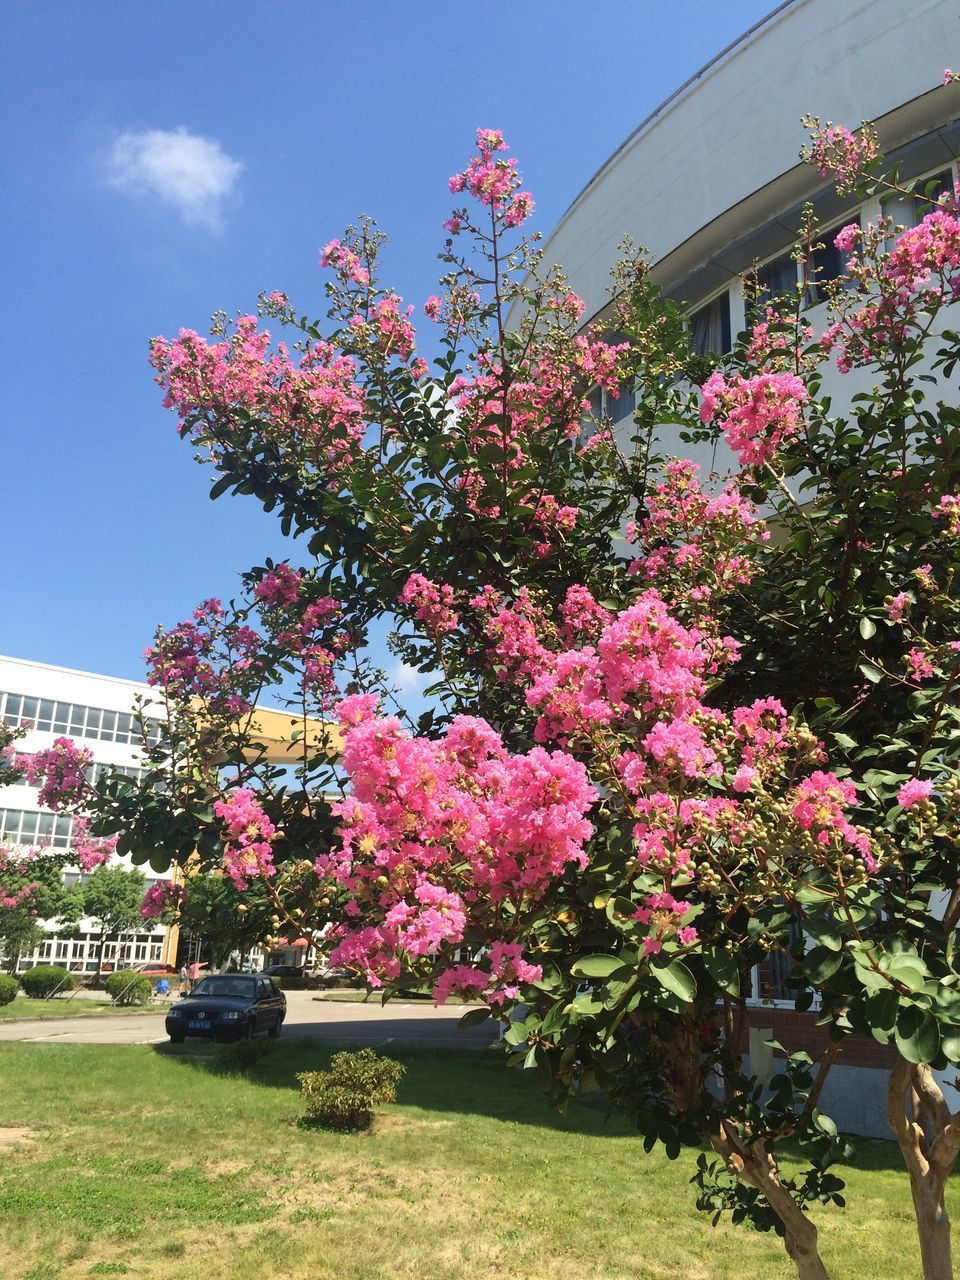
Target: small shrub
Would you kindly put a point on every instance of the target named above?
(43, 979)
(8, 988)
(241, 1055)
(344, 1097)
(128, 988)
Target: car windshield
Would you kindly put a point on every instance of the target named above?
(240, 988)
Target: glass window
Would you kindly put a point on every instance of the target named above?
(45, 714)
(61, 719)
(908, 211)
(825, 264)
(710, 327)
(109, 725)
(623, 405)
(76, 721)
(12, 711)
(30, 708)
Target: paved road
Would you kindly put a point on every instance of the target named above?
(335, 1022)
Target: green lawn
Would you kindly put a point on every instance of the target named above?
(60, 1007)
(146, 1162)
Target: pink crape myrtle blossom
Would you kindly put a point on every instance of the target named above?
(919, 666)
(313, 408)
(492, 179)
(280, 587)
(247, 853)
(914, 792)
(429, 825)
(90, 852)
(60, 772)
(161, 897)
(758, 413)
(820, 807)
(431, 604)
(694, 544)
(835, 150)
(343, 258)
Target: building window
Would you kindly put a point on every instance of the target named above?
(74, 719)
(909, 211)
(710, 327)
(824, 264)
(27, 826)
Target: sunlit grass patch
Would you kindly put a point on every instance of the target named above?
(151, 1162)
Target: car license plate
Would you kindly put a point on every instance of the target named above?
(199, 1026)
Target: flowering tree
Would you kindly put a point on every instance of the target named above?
(609, 816)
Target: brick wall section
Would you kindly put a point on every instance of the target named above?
(799, 1031)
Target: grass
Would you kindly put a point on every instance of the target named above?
(147, 1162)
(59, 1007)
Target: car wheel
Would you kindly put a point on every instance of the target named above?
(274, 1031)
(251, 1029)
(177, 1039)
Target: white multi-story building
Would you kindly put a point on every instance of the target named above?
(97, 713)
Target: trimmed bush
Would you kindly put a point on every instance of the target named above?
(8, 988)
(43, 979)
(128, 988)
(344, 1097)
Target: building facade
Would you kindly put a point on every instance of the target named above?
(97, 712)
(712, 185)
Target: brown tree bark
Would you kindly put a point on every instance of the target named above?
(928, 1135)
(756, 1166)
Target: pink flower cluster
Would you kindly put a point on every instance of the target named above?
(432, 604)
(835, 150)
(161, 897)
(493, 179)
(247, 854)
(90, 852)
(695, 546)
(434, 826)
(314, 409)
(916, 791)
(758, 413)
(60, 772)
(281, 587)
(948, 510)
(820, 808)
(916, 277)
(346, 261)
(664, 912)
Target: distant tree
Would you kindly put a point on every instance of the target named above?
(112, 898)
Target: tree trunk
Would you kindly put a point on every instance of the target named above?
(933, 1228)
(755, 1165)
(928, 1135)
(103, 939)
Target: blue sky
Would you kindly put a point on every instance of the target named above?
(166, 161)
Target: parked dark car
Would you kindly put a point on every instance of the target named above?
(228, 1006)
(283, 971)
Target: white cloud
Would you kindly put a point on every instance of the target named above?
(406, 679)
(193, 174)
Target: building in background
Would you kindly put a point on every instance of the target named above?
(711, 182)
(98, 713)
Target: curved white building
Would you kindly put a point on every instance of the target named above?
(711, 182)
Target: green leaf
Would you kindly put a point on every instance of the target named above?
(596, 966)
(868, 628)
(917, 1034)
(676, 977)
(473, 1017)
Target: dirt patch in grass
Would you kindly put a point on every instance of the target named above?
(13, 1137)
